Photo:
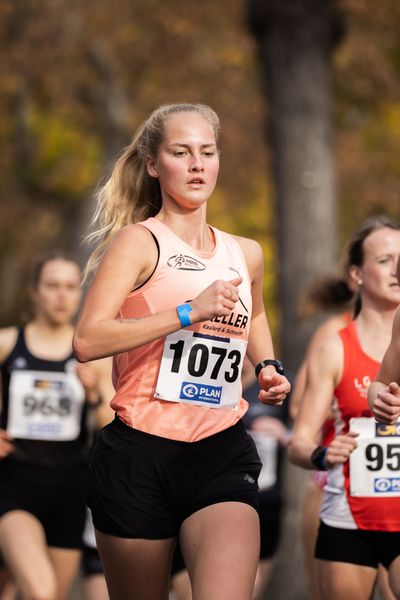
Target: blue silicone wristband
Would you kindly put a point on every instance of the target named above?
(183, 311)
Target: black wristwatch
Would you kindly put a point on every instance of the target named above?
(318, 458)
(270, 361)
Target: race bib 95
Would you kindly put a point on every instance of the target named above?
(375, 463)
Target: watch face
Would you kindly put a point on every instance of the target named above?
(277, 364)
(271, 361)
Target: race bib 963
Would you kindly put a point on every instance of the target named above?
(45, 405)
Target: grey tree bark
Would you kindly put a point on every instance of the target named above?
(111, 105)
(295, 41)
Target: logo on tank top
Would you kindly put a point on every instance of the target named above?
(363, 385)
(183, 262)
(19, 363)
(205, 393)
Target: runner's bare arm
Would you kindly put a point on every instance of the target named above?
(326, 329)
(384, 392)
(8, 337)
(129, 262)
(324, 368)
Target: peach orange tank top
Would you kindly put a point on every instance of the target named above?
(185, 386)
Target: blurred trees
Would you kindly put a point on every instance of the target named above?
(367, 101)
(77, 77)
(296, 42)
(331, 107)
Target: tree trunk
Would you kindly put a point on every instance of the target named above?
(111, 105)
(295, 42)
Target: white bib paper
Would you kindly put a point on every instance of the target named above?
(201, 369)
(375, 463)
(45, 405)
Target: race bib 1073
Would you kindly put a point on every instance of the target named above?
(201, 369)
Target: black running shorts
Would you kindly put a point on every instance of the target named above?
(91, 562)
(357, 546)
(178, 562)
(144, 486)
(270, 512)
(55, 496)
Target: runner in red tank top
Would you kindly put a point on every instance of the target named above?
(360, 515)
(311, 503)
(331, 295)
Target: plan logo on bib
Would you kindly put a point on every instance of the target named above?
(387, 484)
(198, 391)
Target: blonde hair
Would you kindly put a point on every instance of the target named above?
(129, 195)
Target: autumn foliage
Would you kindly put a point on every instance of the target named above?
(78, 77)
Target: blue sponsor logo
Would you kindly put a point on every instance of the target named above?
(44, 428)
(386, 484)
(197, 391)
(387, 430)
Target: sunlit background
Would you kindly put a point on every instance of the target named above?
(77, 78)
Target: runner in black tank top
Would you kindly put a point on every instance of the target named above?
(43, 408)
(43, 437)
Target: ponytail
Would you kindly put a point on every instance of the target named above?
(129, 195)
